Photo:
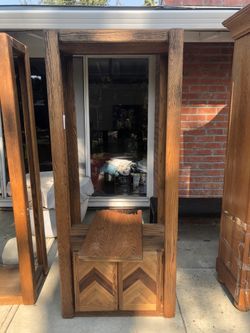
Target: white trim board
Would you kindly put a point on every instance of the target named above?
(16, 18)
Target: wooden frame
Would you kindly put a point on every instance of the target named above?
(22, 285)
(60, 46)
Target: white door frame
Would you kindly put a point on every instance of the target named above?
(123, 201)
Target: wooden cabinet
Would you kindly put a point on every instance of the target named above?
(120, 287)
(233, 262)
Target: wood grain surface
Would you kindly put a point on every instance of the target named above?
(113, 36)
(233, 262)
(33, 159)
(150, 230)
(113, 236)
(60, 168)
(113, 48)
(16, 168)
(140, 284)
(95, 285)
(172, 156)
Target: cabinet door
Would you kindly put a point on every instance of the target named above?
(95, 285)
(140, 283)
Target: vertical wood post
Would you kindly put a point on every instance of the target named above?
(60, 168)
(161, 139)
(31, 144)
(172, 153)
(71, 138)
(15, 158)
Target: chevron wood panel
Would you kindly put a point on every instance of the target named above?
(141, 283)
(95, 285)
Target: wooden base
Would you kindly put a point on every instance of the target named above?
(120, 288)
(240, 295)
(128, 286)
(119, 313)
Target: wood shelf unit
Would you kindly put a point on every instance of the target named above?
(233, 262)
(60, 48)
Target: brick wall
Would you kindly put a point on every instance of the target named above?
(206, 93)
(226, 3)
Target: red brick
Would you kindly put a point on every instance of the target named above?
(210, 158)
(204, 118)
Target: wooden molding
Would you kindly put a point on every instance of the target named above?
(239, 23)
(79, 48)
(113, 36)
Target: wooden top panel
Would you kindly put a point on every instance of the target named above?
(113, 36)
(113, 236)
(149, 230)
(239, 23)
(86, 48)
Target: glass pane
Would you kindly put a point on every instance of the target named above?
(118, 106)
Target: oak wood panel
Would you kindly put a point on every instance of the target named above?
(60, 169)
(95, 285)
(71, 138)
(161, 139)
(14, 149)
(113, 236)
(149, 243)
(113, 36)
(141, 283)
(33, 160)
(237, 175)
(172, 153)
(233, 262)
(113, 48)
(147, 230)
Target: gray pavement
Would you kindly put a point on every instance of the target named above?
(202, 303)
